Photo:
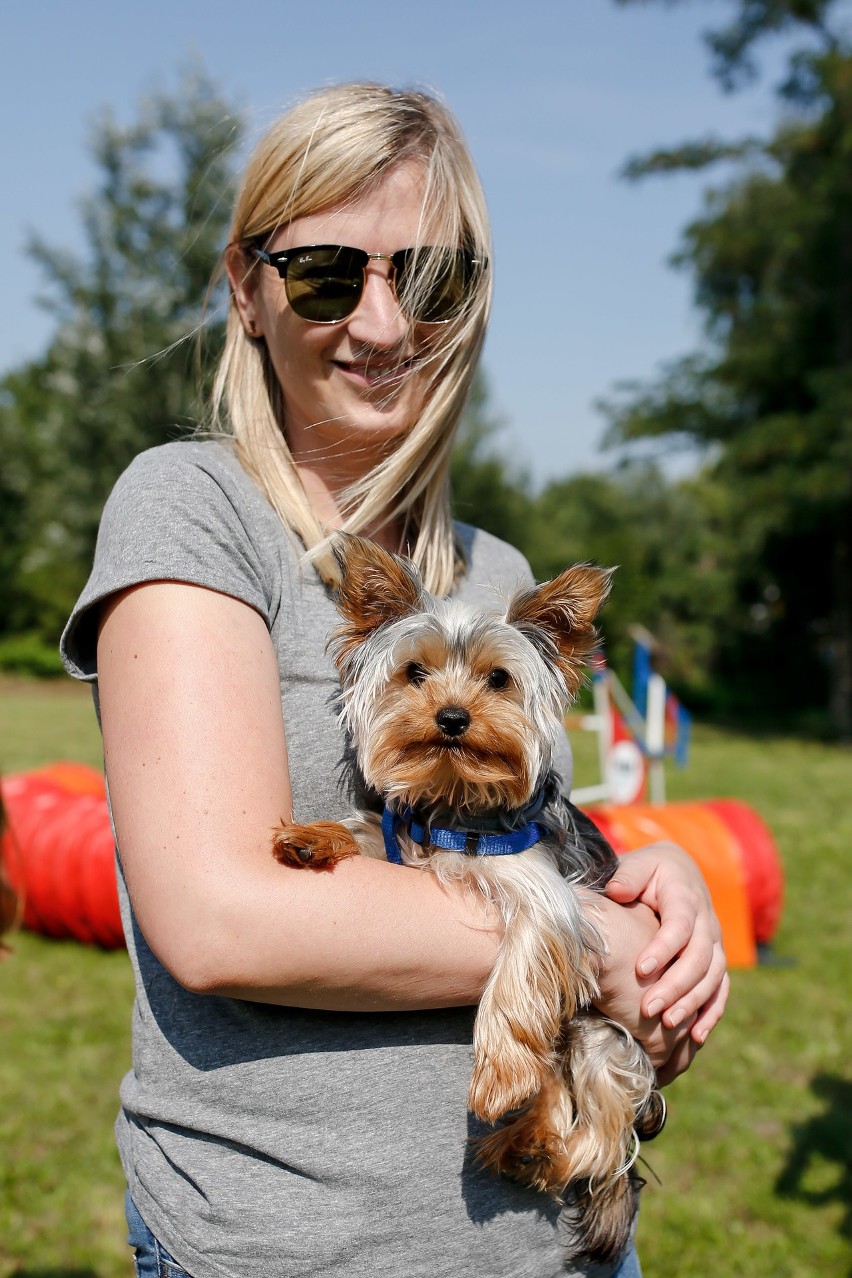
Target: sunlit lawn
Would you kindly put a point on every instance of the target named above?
(754, 1166)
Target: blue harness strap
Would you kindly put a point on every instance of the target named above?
(506, 843)
(390, 821)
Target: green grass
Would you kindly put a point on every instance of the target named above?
(754, 1165)
(65, 1034)
(41, 722)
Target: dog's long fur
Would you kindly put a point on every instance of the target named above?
(571, 1087)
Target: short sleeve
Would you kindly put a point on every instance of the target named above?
(495, 570)
(178, 513)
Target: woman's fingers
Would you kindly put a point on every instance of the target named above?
(689, 981)
(685, 928)
(711, 1013)
(687, 950)
(672, 1017)
(697, 996)
(692, 1035)
(685, 1050)
(679, 1061)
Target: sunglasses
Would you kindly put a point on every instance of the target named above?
(325, 282)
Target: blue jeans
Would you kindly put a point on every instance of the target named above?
(151, 1258)
(153, 1261)
(629, 1267)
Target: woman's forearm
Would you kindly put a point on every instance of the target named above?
(365, 937)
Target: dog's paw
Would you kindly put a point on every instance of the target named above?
(317, 846)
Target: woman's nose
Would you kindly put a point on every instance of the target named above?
(377, 318)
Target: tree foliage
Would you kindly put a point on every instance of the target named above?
(732, 46)
(119, 374)
(771, 394)
(489, 490)
(674, 559)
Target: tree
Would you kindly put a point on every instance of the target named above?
(669, 541)
(119, 374)
(488, 491)
(673, 556)
(771, 395)
(731, 47)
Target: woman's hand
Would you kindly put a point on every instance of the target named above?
(628, 930)
(685, 956)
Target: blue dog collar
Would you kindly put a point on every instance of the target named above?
(471, 842)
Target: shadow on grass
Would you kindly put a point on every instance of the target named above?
(827, 1137)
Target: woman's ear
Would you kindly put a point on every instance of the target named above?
(243, 276)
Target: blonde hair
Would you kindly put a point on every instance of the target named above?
(333, 147)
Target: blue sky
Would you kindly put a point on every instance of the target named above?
(552, 95)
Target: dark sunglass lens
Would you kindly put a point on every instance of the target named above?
(433, 283)
(325, 284)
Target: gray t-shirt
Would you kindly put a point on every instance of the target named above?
(272, 1142)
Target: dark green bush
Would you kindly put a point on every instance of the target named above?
(29, 654)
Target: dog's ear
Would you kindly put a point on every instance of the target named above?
(559, 617)
(375, 587)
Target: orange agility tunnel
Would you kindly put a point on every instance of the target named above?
(732, 847)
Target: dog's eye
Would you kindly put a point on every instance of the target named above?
(498, 678)
(415, 673)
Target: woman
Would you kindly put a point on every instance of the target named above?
(302, 1042)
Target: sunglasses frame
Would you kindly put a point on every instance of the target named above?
(282, 260)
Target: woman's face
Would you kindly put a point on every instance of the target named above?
(347, 387)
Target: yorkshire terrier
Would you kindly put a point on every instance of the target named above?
(453, 714)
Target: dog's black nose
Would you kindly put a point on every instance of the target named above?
(453, 720)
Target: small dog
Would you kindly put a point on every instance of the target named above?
(453, 714)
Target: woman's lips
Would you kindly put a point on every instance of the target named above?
(373, 374)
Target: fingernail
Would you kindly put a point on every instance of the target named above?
(647, 966)
(656, 1007)
(676, 1017)
(702, 1037)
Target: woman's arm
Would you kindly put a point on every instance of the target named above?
(197, 767)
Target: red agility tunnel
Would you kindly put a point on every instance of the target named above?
(764, 877)
(58, 853)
